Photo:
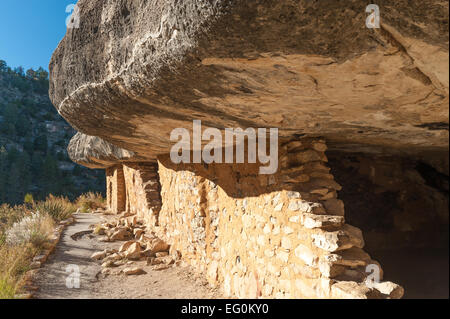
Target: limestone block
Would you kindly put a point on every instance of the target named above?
(120, 234)
(320, 147)
(391, 289)
(124, 247)
(345, 238)
(305, 157)
(353, 290)
(157, 245)
(306, 207)
(98, 255)
(312, 221)
(133, 252)
(334, 207)
(329, 269)
(134, 271)
(306, 255)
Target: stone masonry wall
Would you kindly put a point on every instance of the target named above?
(115, 189)
(143, 191)
(270, 236)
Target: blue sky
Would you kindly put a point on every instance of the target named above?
(30, 30)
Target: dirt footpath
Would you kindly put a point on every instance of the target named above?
(75, 249)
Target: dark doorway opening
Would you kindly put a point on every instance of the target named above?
(401, 205)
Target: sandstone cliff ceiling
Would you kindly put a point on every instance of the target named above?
(137, 69)
(94, 152)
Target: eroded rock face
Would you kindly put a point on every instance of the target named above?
(94, 152)
(135, 70)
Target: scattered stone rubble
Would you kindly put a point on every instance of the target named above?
(139, 245)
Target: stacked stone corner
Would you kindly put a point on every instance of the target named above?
(256, 236)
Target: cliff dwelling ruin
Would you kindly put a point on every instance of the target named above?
(362, 115)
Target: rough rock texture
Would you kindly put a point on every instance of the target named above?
(115, 188)
(269, 236)
(143, 191)
(135, 70)
(94, 152)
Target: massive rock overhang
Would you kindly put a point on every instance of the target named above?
(135, 70)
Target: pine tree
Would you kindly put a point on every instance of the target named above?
(41, 143)
(3, 66)
(51, 175)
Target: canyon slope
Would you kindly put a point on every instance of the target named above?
(33, 142)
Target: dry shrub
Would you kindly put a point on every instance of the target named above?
(10, 215)
(90, 201)
(34, 228)
(22, 236)
(23, 233)
(14, 262)
(59, 208)
(18, 245)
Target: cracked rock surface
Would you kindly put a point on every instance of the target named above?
(135, 70)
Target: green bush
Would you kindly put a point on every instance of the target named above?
(28, 199)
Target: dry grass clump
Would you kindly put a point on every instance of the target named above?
(90, 201)
(10, 215)
(25, 229)
(19, 243)
(14, 262)
(59, 208)
(34, 228)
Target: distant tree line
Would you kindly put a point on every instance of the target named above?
(31, 163)
(26, 81)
